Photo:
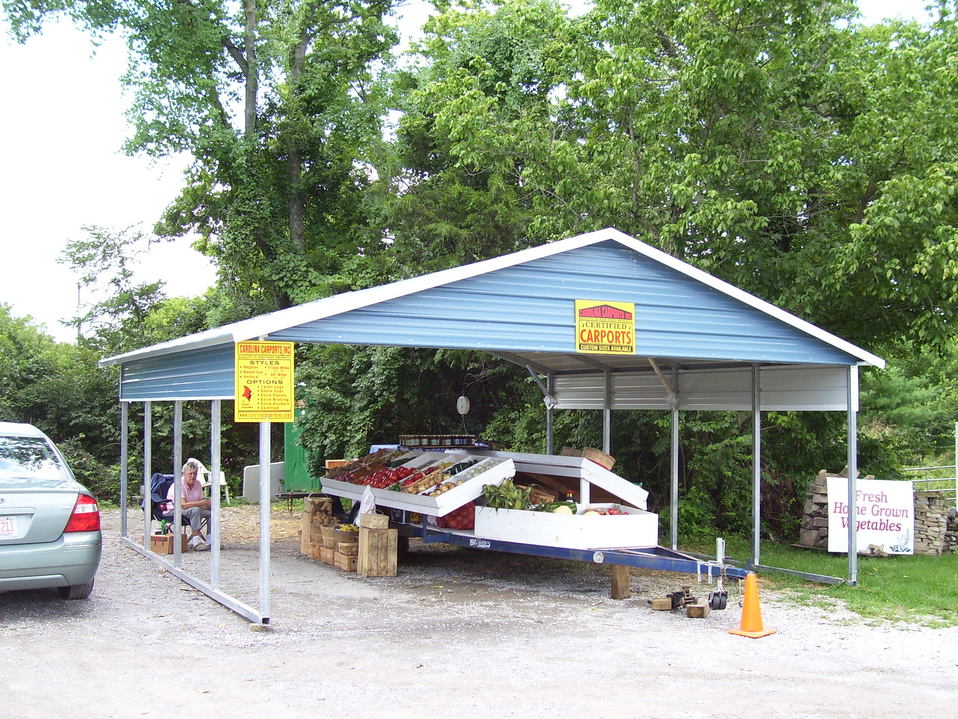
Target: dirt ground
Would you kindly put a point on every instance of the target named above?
(459, 633)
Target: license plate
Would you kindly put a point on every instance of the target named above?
(8, 527)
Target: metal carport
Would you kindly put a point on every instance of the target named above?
(701, 343)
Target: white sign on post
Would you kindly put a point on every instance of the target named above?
(885, 515)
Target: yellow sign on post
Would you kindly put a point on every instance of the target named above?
(264, 382)
(603, 327)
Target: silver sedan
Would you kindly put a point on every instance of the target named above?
(49, 523)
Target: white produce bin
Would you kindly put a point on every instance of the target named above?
(496, 471)
(637, 528)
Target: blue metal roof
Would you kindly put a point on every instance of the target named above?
(522, 307)
(530, 308)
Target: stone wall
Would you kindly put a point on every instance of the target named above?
(951, 533)
(936, 522)
(931, 517)
(814, 531)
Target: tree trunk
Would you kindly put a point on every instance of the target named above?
(294, 159)
(252, 74)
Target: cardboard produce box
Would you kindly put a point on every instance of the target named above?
(163, 543)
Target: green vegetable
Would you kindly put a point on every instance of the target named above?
(506, 496)
(551, 506)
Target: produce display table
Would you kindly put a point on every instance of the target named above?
(610, 524)
(482, 470)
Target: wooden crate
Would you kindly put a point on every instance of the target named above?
(314, 551)
(378, 549)
(329, 536)
(326, 555)
(346, 562)
(342, 535)
(311, 505)
(349, 548)
(374, 521)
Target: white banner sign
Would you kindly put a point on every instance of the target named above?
(885, 515)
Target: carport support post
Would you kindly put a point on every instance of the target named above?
(147, 461)
(852, 398)
(550, 388)
(215, 429)
(607, 415)
(124, 458)
(265, 496)
(177, 481)
(674, 496)
(756, 468)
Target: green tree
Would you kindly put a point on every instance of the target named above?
(58, 388)
(274, 101)
(778, 145)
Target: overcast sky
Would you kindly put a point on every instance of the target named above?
(62, 167)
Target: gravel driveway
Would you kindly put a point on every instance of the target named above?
(459, 633)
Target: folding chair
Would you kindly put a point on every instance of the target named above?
(159, 489)
(206, 481)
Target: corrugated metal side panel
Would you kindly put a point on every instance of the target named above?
(804, 388)
(529, 308)
(198, 374)
(796, 388)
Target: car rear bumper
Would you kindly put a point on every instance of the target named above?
(72, 559)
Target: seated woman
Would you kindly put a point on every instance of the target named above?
(194, 504)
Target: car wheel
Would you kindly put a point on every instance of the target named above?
(76, 591)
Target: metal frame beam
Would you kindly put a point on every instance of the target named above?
(852, 474)
(643, 557)
(756, 466)
(124, 461)
(674, 465)
(212, 588)
(147, 464)
(522, 362)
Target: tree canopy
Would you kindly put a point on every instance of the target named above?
(782, 146)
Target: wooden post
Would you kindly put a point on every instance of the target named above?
(621, 588)
(378, 549)
(305, 540)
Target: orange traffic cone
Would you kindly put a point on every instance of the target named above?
(751, 624)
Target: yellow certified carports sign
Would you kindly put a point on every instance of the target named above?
(264, 382)
(603, 327)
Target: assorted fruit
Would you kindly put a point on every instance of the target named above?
(388, 469)
(386, 477)
(462, 518)
(444, 487)
(606, 511)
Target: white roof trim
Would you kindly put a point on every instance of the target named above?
(743, 296)
(263, 325)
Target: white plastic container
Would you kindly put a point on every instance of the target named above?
(637, 528)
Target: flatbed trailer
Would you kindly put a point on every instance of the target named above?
(658, 558)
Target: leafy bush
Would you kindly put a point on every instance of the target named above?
(103, 480)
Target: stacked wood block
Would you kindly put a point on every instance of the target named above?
(329, 544)
(317, 512)
(345, 550)
(378, 547)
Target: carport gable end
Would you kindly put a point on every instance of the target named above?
(522, 307)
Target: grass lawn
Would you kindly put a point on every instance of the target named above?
(912, 589)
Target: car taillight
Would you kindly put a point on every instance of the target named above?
(85, 517)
